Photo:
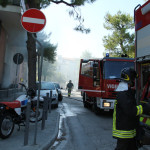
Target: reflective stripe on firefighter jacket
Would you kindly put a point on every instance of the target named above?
(123, 133)
(145, 120)
(126, 114)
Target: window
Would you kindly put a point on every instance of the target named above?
(96, 74)
(87, 69)
(112, 69)
(46, 86)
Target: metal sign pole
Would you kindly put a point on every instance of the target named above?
(39, 86)
(16, 75)
(26, 133)
(34, 28)
(18, 59)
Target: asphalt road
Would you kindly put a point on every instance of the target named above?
(81, 129)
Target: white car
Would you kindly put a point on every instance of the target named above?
(60, 96)
(46, 87)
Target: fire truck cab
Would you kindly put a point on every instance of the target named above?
(142, 57)
(98, 79)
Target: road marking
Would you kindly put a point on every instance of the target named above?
(33, 20)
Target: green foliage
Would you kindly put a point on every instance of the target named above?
(49, 52)
(76, 14)
(81, 2)
(44, 3)
(49, 49)
(74, 4)
(121, 41)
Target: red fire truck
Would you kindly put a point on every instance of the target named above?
(142, 30)
(98, 78)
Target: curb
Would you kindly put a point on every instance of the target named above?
(47, 145)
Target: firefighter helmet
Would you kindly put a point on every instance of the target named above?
(128, 75)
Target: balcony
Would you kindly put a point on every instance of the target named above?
(10, 16)
(17, 6)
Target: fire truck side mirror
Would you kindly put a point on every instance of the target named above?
(96, 77)
(95, 66)
(94, 73)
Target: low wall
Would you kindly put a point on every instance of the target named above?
(9, 93)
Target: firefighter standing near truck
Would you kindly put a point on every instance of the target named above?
(69, 87)
(126, 112)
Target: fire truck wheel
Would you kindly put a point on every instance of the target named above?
(95, 108)
(85, 104)
(84, 101)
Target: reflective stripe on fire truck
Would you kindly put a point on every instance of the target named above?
(90, 90)
(121, 133)
(145, 120)
(139, 110)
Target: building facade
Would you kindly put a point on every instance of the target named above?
(12, 40)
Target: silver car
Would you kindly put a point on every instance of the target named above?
(46, 87)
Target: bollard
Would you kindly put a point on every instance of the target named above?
(46, 105)
(26, 134)
(43, 114)
(50, 101)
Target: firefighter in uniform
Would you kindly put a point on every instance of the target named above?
(69, 87)
(126, 112)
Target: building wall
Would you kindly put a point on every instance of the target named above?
(2, 51)
(13, 73)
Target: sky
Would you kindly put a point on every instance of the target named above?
(72, 44)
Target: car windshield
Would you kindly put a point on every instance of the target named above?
(47, 86)
(112, 69)
(57, 85)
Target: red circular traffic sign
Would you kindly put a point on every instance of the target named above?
(33, 20)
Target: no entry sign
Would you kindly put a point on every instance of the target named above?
(33, 20)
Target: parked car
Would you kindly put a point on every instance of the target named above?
(45, 88)
(60, 96)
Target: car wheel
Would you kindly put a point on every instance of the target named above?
(56, 105)
(60, 98)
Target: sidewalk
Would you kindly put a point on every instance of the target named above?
(44, 139)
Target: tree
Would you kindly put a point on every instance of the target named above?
(31, 42)
(49, 54)
(48, 70)
(49, 49)
(121, 41)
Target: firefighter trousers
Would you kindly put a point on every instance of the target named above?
(69, 92)
(126, 144)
